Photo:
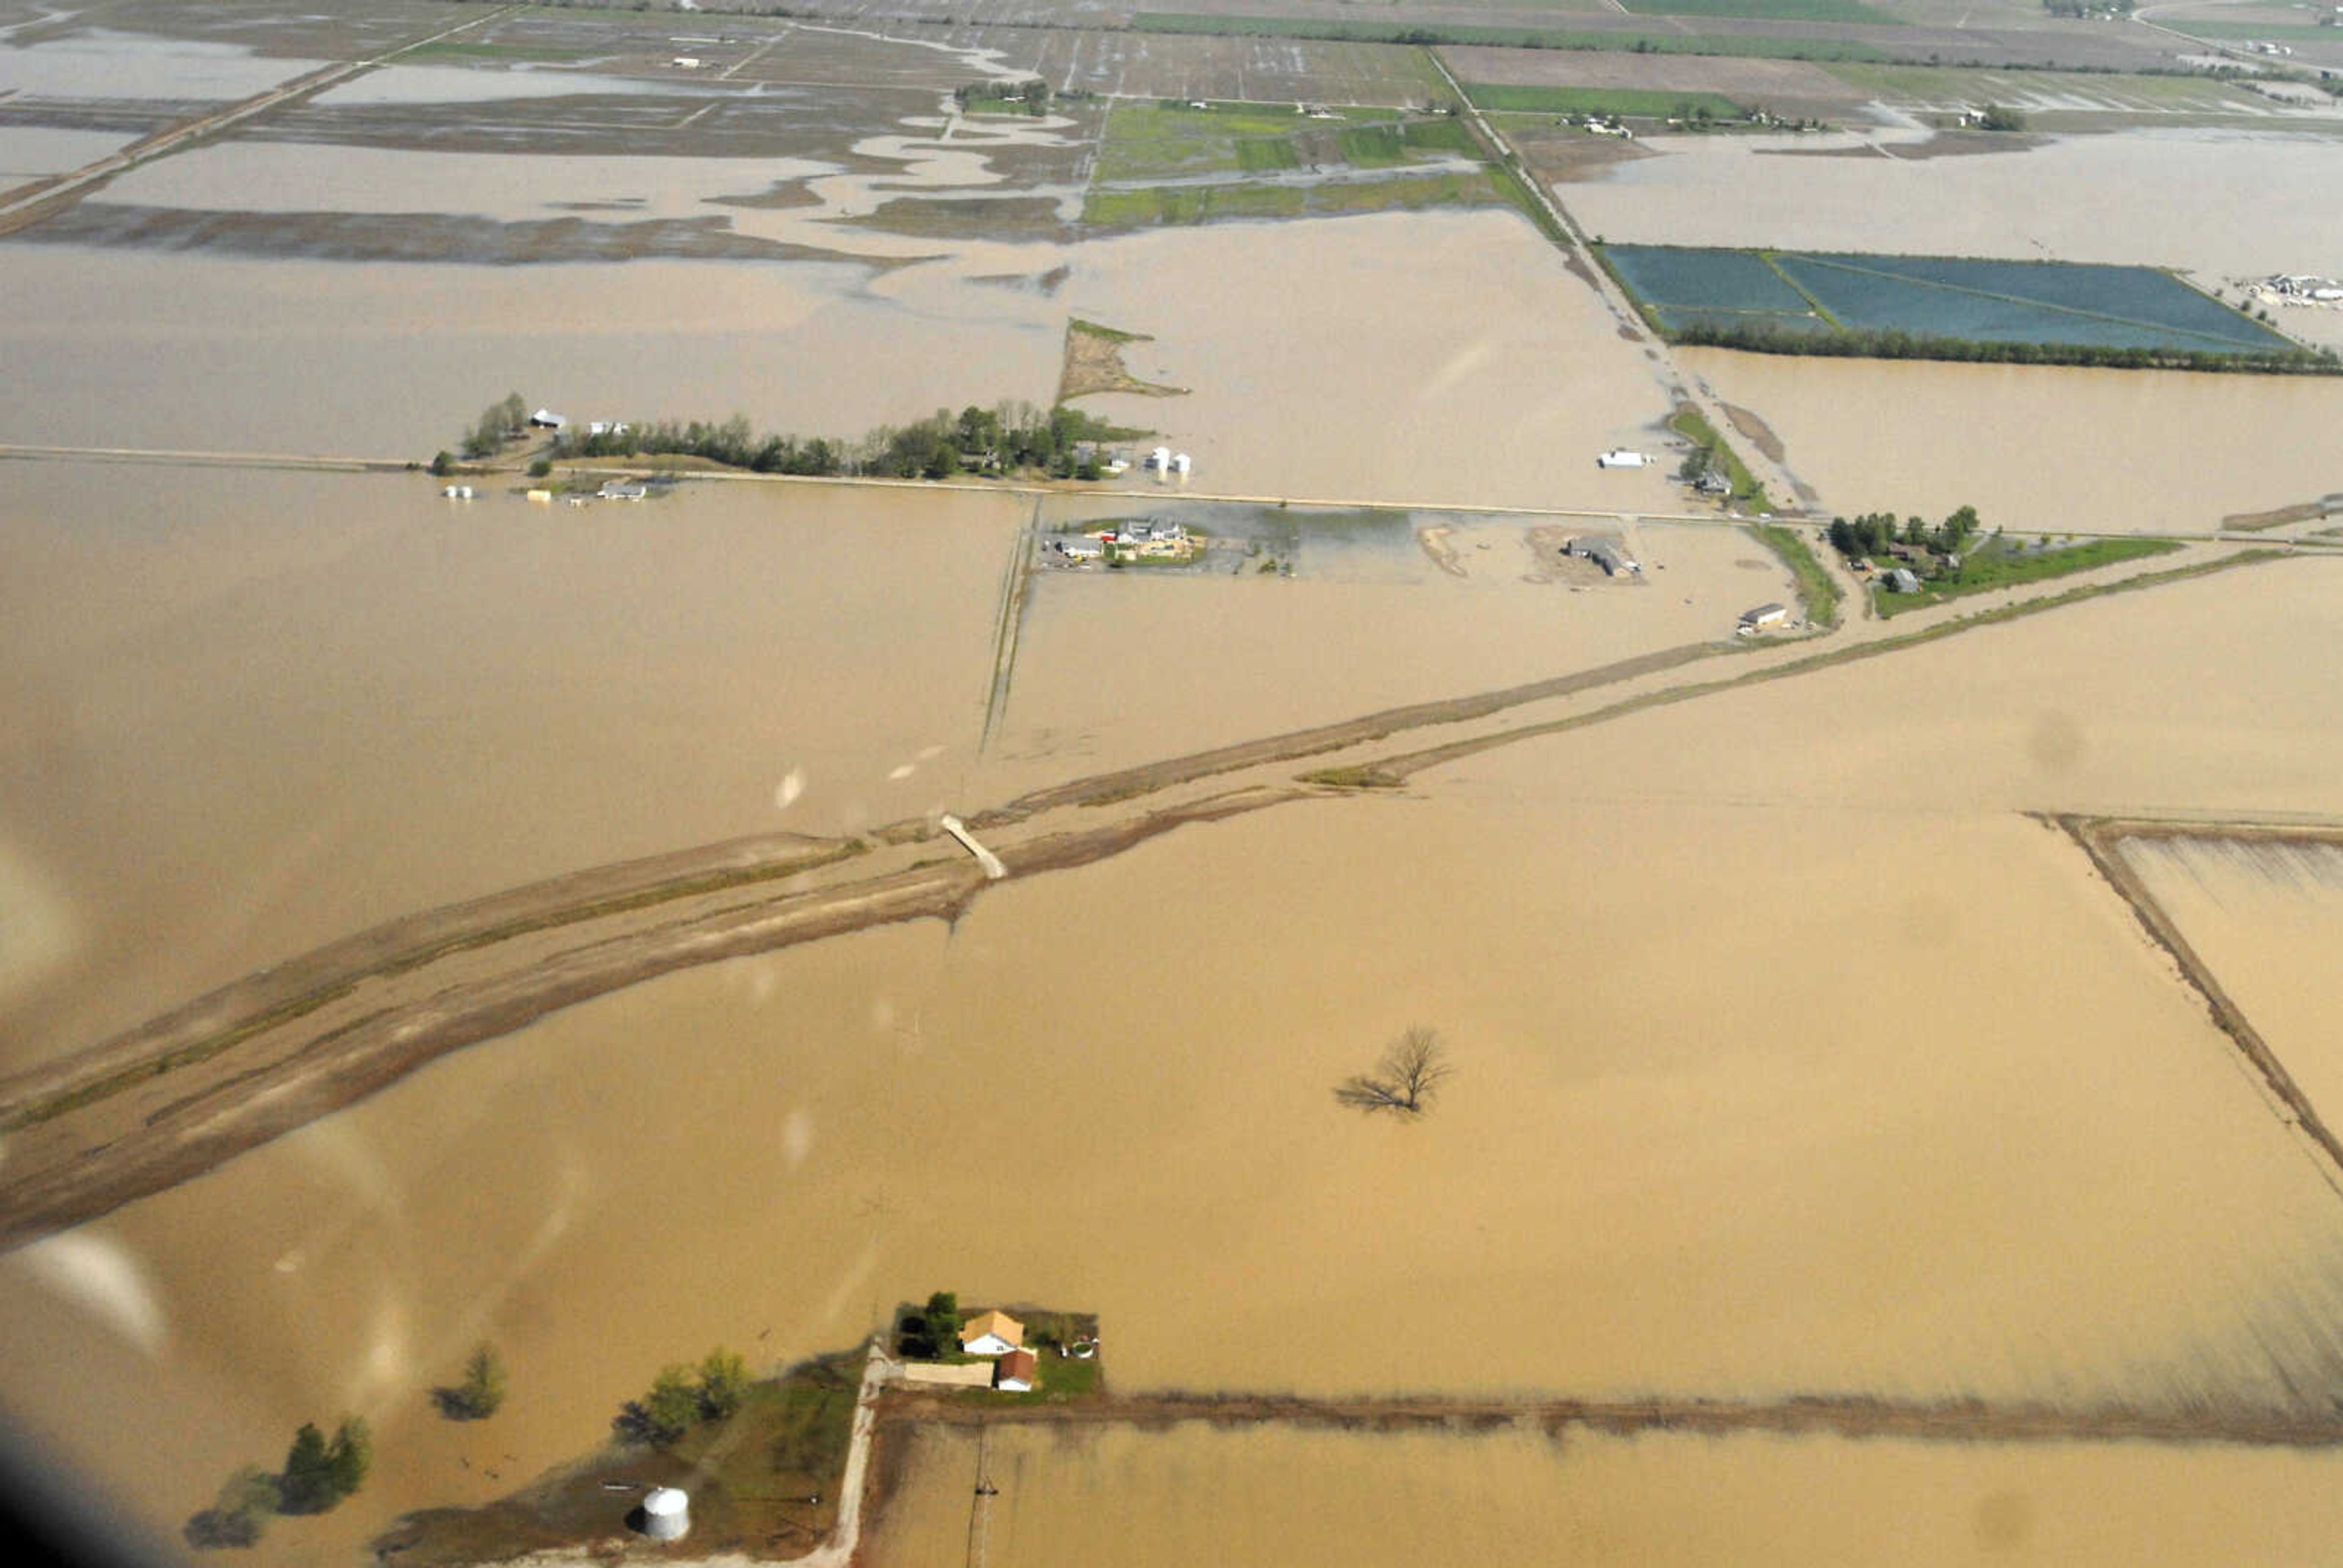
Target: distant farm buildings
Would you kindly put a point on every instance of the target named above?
(1605, 550)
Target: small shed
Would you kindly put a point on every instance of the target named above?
(991, 1333)
(547, 419)
(1017, 1371)
(1764, 616)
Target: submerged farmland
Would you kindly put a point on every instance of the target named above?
(1944, 307)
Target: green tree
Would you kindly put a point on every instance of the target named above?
(943, 1320)
(239, 1514)
(723, 1383)
(350, 1456)
(308, 1484)
(482, 1392)
(664, 1415)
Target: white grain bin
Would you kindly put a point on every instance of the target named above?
(667, 1513)
(1160, 459)
(1180, 464)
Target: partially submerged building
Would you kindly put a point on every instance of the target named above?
(1605, 550)
(1765, 616)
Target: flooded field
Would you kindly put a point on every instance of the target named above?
(398, 361)
(2265, 917)
(2041, 450)
(1330, 392)
(1765, 1183)
(2206, 202)
(1370, 620)
(250, 712)
(104, 62)
(1246, 1496)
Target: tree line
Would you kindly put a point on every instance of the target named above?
(1872, 532)
(320, 1472)
(682, 1397)
(1010, 437)
(1763, 337)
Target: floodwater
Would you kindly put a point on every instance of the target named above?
(26, 151)
(135, 349)
(1356, 628)
(249, 713)
(104, 62)
(1790, 1059)
(2219, 204)
(1430, 358)
(2041, 450)
(2266, 919)
(1194, 1495)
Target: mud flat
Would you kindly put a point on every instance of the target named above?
(1508, 1496)
(2039, 450)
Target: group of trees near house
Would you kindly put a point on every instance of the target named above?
(318, 1472)
(1010, 437)
(498, 423)
(481, 1394)
(1872, 532)
(682, 1397)
(932, 1332)
(1031, 97)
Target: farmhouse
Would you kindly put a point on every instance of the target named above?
(1605, 552)
(1017, 1371)
(991, 1333)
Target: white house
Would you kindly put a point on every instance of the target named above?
(992, 1333)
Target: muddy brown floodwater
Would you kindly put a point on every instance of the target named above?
(2265, 917)
(1802, 1062)
(250, 711)
(1243, 1497)
(2039, 450)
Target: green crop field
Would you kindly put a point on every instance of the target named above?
(1150, 141)
(1768, 10)
(1922, 306)
(1148, 206)
(1639, 102)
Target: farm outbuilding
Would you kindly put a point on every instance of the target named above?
(1605, 552)
(1017, 1371)
(1764, 616)
(667, 1513)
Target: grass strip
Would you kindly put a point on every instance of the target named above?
(1693, 426)
(1816, 588)
(1991, 567)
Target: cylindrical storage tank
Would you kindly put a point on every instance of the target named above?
(667, 1513)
